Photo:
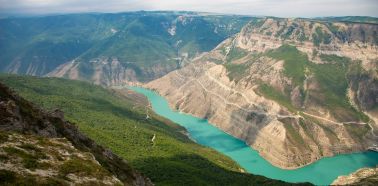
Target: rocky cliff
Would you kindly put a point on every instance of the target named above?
(41, 147)
(110, 71)
(365, 176)
(295, 90)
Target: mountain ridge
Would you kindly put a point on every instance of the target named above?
(311, 84)
(21, 116)
(38, 45)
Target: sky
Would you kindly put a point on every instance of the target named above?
(279, 8)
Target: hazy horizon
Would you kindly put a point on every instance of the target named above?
(277, 8)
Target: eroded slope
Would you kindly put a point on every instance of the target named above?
(37, 155)
(117, 119)
(296, 90)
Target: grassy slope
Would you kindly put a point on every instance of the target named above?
(273, 94)
(236, 71)
(52, 40)
(110, 121)
(331, 76)
(295, 62)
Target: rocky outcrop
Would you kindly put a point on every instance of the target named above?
(21, 116)
(110, 71)
(365, 176)
(284, 138)
(352, 40)
(32, 160)
(272, 89)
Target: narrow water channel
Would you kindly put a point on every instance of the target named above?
(321, 172)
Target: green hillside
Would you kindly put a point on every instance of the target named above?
(37, 45)
(117, 121)
(331, 76)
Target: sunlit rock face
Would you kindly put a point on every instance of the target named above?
(295, 90)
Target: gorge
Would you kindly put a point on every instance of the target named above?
(290, 99)
(322, 172)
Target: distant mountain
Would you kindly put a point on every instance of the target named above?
(110, 48)
(355, 19)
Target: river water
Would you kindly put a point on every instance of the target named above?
(321, 172)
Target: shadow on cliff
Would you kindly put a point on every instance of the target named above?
(181, 169)
(247, 124)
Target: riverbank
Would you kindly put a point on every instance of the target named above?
(321, 172)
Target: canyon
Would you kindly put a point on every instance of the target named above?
(295, 90)
(111, 48)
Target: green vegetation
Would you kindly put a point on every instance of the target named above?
(332, 74)
(333, 28)
(137, 39)
(29, 160)
(334, 59)
(11, 178)
(331, 135)
(332, 77)
(295, 62)
(292, 133)
(357, 131)
(301, 35)
(3, 138)
(281, 30)
(42, 153)
(236, 53)
(273, 94)
(352, 19)
(321, 37)
(236, 71)
(256, 22)
(111, 121)
(82, 167)
(307, 128)
(86, 70)
(289, 31)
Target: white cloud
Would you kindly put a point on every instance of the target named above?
(281, 8)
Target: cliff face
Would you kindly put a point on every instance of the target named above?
(295, 90)
(29, 132)
(352, 40)
(110, 71)
(365, 176)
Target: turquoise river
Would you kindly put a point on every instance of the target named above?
(321, 172)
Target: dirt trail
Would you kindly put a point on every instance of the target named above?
(278, 116)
